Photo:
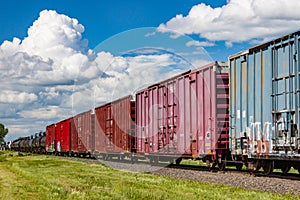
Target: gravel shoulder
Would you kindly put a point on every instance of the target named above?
(234, 179)
(245, 180)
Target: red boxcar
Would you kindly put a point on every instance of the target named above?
(81, 133)
(185, 116)
(50, 138)
(63, 136)
(114, 121)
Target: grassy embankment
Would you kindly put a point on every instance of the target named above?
(49, 177)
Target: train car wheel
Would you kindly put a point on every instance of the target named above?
(105, 157)
(178, 160)
(285, 169)
(268, 167)
(209, 163)
(222, 165)
(156, 159)
(133, 159)
(151, 160)
(257, 166)
(239, 166)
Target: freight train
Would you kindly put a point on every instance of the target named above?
(245, 112)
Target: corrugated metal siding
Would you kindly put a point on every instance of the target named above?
(116, 124)
(264, 98)
(99, 137)
(63, 136)
(186, 114)
(123, 114)
(106, 126)
(81, 134)
(50, 138)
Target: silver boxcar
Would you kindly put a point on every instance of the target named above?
(264, 101)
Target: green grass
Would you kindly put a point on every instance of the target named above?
(49, 177)
(192, 162)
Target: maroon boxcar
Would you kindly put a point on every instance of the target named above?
(50, 138)
(99, 136)
(63, 136)
(185, 116)
(114, 132)
(81, 134)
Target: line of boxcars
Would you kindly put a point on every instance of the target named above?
(246, 113)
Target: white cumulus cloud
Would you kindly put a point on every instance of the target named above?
(238, 20)
(53, 52)
(16, 97)
(48, 112)
(52, 74)
(54, 35)
(199, 44)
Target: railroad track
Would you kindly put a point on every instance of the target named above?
(288, 176)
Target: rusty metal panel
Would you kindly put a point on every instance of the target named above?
(99, 137)
(264, 110)
(186, 114)
(123, 115)
(115, 126)
(81, 134)
(63, 136)
(50, 138)
(179, 132)
(138, 120)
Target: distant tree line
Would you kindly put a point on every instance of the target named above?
(3, 133)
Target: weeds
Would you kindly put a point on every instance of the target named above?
(49, 177)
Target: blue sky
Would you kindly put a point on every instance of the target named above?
(101, 19)
(59, 58)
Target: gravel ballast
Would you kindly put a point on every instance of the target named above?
(234, 179)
